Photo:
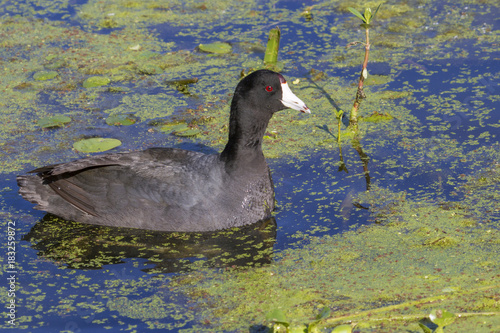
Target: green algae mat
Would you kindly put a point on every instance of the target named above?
(418, 252)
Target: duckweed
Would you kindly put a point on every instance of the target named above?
(436, 79)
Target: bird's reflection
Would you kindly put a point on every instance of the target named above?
(85, 246)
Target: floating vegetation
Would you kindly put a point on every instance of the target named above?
(115, 13)
(149, 307)
(363, 288)
(53, 121)
(372, 80)
(173, 126)
(95, 145)
(121, 120)
(146, 107)
(376, 117)
(388, 94)
(96, 81)
(217, 48)
(428, 240)
(441, 318)
(54, 62)
(182, 85)
(149, 69)
(440, 241)
(342, 329)
(180, 129)
(187, 132)
(45, 75)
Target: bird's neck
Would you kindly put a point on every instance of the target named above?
(244, 146)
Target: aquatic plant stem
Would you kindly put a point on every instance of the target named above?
(353, 119)
(356, 144)
(273, 45)
(369, 313)
(422, 316)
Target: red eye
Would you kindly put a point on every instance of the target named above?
(269, 88)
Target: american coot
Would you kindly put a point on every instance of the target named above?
(171, 189)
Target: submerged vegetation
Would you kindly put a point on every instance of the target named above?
(418, 252)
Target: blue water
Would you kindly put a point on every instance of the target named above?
(313, 196)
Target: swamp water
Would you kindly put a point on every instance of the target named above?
(424, 237)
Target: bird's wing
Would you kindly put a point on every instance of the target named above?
(152, 175)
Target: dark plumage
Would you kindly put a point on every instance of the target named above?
(171, 189)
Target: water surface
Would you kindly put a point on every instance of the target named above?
(427, 227)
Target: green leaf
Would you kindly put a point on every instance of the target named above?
(425, 328)
(442, 317)
(54, 121)
(217, 47)
(95, 145)
(45, 75)
(313, 328)
(356, 13)
(120, 120)
(54, 62)
(450, 289)
(376, 10)
(325, 313)
(279, 328)
(342, 329)
(186, 132)
(277, 316)
(368, 15)
(298, 329)
(173, 127)
(96, 81)
(149, 69)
